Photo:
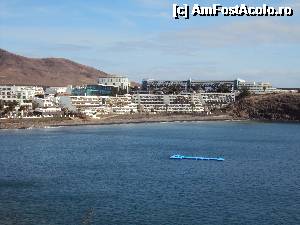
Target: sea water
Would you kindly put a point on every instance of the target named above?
(122, 174)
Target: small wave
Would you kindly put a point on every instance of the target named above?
(52, 127)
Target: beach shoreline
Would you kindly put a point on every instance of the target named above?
(107, 120)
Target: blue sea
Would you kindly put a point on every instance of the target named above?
(122, 174)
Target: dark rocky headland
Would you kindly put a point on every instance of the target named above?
(270, 107)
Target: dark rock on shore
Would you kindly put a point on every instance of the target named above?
(273, 107)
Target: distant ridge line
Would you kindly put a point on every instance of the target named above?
(22, 70)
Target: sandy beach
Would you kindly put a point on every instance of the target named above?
(105, 120)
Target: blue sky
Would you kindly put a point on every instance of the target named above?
(140, 39)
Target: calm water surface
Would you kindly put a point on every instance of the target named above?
(122, 174)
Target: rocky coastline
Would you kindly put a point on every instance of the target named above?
(283, 107)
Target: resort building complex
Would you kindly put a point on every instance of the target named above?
(112, 95)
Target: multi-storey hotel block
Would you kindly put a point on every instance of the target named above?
(185, 103)
(45, 102)
(23, 95)
(153, 85)
(149, 103)
(217, 100)
(58, 90)
(258, 87)
(191, 85)
(94, 90)
(209, 86)
(120, 82)
(93, 105)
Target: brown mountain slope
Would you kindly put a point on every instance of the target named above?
(15, 69)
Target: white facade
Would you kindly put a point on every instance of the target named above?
(95, 105)
(223, 98)
(75, 103)
(117, 101)
(153, 103)
(121, 104)
(126, 109)
(258, 87)
(118, 81)
(169, 103)
(21, 94)
(38, 90)
(48, 111)
(58, 90)
(95, 111)
(46, 102)
(165, 83)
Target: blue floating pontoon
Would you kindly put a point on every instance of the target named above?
(195, 158)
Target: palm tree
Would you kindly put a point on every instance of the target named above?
(244, 92)
(167, 106)
(1, 104)
(140, 108)
(193, 106)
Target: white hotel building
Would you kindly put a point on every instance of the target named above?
(93, 105)
(122, 83)
(58, 90)
(120, 104)
(217, 100)
(75, 103)
(258, 87)
(168, 103)
(21, 94)
(46, 101)
(148, 103)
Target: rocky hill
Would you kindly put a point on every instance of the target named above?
(280, 107)
(15, 69)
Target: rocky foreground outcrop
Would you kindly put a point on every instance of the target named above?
(273, 107)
